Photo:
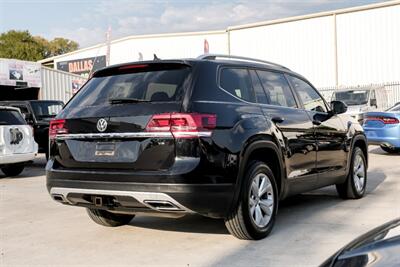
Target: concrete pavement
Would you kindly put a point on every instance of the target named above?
(35, 230)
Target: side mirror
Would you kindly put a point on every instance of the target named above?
(338, 107)
(373, 103)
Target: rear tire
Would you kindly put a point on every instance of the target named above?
(355, 185)
(390, 150)
(109, 219)
(13, 170)
(254, 216)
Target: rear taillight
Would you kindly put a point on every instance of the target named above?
(385, 120)
(57, 127)
(183, 125)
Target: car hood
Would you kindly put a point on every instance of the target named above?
(356, 109)
(378, 247)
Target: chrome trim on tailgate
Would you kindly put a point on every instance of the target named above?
(146, 198)
(114, 135)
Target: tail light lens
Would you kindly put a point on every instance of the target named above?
(57, 127)
(183, 125)
(385, 120)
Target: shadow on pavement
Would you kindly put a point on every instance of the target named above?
(187, 224)
(312, 202)
(34, 169)
(378, 151)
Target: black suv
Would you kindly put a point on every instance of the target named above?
(38, 114)
(221, 136)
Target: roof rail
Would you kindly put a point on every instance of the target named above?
(215, 56)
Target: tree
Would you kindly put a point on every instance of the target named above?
(59, 46)
(22, 45)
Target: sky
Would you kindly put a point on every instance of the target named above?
(86, 21)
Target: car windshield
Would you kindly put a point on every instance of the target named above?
(46, 109)
(352, 97)
(148, 85)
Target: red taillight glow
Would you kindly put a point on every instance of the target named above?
(385, 120)
(57, 127)
(183, 125)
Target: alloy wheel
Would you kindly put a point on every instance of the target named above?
(261, 200)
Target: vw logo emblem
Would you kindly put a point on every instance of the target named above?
(101, 125)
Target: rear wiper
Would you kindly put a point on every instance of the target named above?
(126, 100)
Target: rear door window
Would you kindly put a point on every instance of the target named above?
(237, 82)
(277, 89)
(11, 117)
(155, 84)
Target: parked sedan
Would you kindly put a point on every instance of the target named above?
(383, 128)
(378, 247)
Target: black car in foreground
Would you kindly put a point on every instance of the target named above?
(38, 114)
(379, 247)
(221, 136)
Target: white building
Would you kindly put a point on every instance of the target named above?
(346, 47)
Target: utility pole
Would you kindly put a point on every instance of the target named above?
(108, 42)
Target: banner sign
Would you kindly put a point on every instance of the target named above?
(20, 73)
(82, 66)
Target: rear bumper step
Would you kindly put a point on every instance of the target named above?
(160, 202)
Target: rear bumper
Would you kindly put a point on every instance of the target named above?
(16, 158)
(131, 196)
(388, 136)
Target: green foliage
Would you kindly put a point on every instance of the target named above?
(22, 45)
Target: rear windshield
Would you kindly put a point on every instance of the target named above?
(161, 84)
(11, 117)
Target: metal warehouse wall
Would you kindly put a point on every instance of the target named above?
(57, 85)
(305, 46)
(166, 46)
(369, 46)
(330, 49)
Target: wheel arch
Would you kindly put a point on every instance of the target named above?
(358, 141)
(263, 148)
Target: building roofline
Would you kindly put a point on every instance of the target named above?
(316, 15)
(145, 36)
(238, 27)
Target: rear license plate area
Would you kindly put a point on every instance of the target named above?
(104, 152)
(105, 149)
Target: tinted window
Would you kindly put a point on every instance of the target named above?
(308, 95)
(10, 117)
(277, 89)
(43, 109)
(160, 85)
(258, 89)
(238, 83)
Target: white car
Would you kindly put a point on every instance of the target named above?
(17, 146)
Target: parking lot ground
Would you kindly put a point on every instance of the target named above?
(35, 230)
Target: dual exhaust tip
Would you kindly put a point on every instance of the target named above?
(158, 205)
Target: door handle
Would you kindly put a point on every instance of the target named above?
(316, 122)
(278, 119)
